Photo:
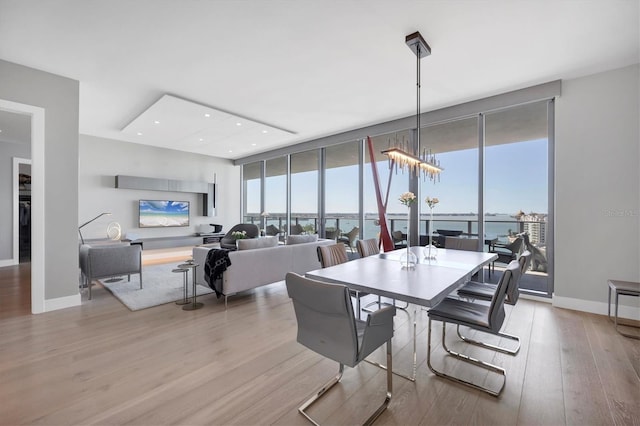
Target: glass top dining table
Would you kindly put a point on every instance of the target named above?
(426, 284)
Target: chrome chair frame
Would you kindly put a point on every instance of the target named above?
(488, 319)
(320, 308)
(484, 291)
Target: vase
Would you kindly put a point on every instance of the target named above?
(431, 251)
(408, 260)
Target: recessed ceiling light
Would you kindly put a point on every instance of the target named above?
(230, 150)
(0, 130)
(238, 124)
(254, 144)
(207, 115)
(156, 122)
(265, 131)
(139, 133)
(201, 140)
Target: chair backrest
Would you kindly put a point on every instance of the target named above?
(271, 230)
(516, 245)
(468, 244)
(334, 254)
(513, 291)
(251, 229)
(510, 277)
(353, 234)
(296, 229)
(525, 261)
(367, 247)
(331, 234)
(326, 323)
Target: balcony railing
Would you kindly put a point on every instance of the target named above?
(500, 229)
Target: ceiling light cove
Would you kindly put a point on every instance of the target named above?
(183, 128)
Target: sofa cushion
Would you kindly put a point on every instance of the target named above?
(256, 243)
(299, 239)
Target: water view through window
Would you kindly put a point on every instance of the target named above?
(515, 184)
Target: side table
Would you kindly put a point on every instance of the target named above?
(194, 304)
(625, 288)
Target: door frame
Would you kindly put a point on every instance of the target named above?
(37, 115)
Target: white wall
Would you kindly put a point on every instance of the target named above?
(597, 189)
(102, 159)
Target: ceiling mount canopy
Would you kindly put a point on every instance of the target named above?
(402, 155)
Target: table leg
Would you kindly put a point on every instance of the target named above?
(185, 283)
(194, 304)
(411, 378)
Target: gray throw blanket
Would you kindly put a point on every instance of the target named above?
(216, 263)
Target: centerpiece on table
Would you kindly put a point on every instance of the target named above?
(408, 260)
(431, 251)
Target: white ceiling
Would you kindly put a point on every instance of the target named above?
(311, 67)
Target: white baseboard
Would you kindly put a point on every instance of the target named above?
(7, 262)
(62, 302)
(600, 308)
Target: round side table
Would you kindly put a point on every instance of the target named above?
(194, 304)
(185, 285)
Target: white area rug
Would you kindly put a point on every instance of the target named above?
(160, 286)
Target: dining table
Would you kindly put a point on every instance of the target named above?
(426, 284)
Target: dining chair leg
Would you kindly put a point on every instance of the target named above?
(465, 358)
(331, 383)
(387, 398)
(489, 345)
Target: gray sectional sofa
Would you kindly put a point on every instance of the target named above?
(251, 268)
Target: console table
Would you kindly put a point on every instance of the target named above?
(177, 241)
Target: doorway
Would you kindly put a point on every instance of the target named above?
(36, 116)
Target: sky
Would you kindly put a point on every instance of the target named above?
(508, 169)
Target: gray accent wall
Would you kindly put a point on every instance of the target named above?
(597, 184)
(59, 97)
(102, 159)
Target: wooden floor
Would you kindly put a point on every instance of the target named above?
(103, 364)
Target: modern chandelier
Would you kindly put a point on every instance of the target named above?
(401, 155)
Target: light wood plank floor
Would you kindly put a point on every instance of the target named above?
(103, 364)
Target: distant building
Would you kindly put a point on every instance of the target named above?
(536, 226)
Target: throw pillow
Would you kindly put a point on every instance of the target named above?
(299, 239)
(256, 243)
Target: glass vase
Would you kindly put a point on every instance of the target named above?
(431, 251)
(408, 260)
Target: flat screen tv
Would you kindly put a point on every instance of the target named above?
(163, 213)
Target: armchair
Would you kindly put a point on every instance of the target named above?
(229, 242)
(327, 326)
(110, 261)
(349, 238)
(506, 252)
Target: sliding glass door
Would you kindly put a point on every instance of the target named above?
(517, 186)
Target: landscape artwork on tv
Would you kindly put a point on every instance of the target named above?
(163, 213)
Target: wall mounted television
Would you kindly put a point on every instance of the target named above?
(162, 213)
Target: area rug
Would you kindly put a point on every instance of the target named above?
(160, 286)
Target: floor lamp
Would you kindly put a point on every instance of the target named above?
(88, 222)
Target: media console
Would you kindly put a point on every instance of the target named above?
(178, 241)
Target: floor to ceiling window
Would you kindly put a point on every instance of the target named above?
(455, 145)
(304, 190)
(516, 185)
(342, 188)
(252, 192)
(275, 193)
(330, 190)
